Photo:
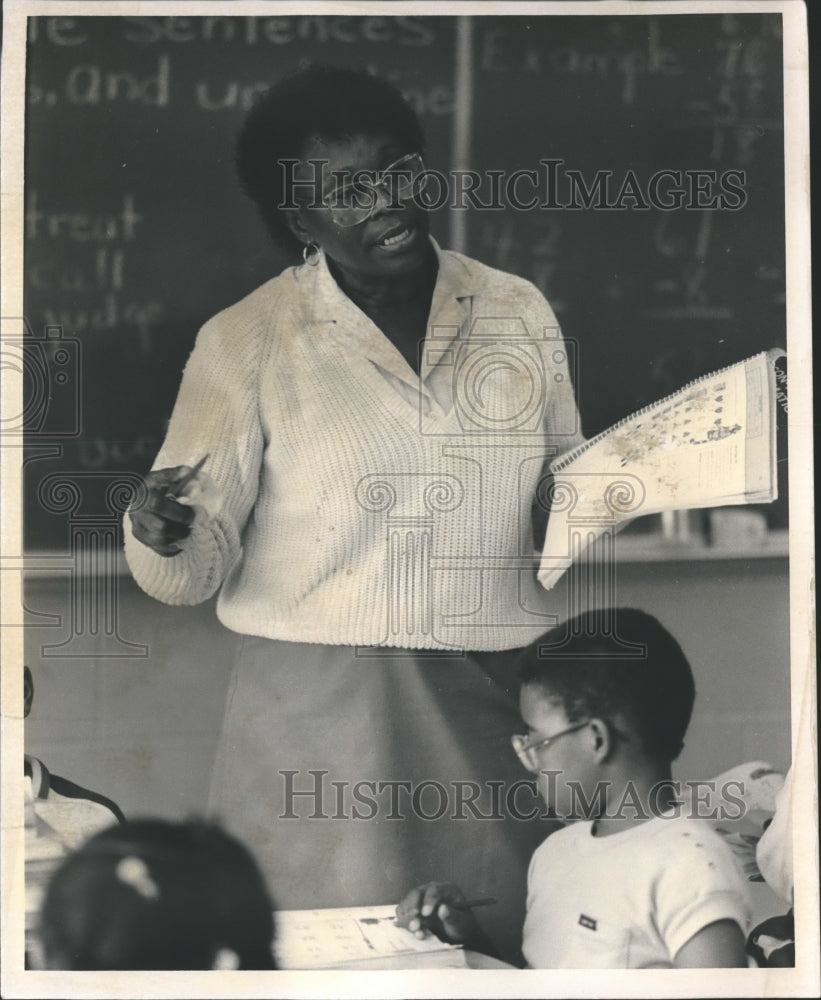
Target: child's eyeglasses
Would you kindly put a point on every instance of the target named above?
(354, 202)
(527, 752)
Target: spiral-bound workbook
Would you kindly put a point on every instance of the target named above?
(711, 444)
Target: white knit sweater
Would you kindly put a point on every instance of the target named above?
(360, 504)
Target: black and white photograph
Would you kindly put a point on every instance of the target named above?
(407, 492)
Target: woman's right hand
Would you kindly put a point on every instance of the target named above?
(161, 522)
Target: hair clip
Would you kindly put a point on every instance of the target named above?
(226, 958)
(134, 871)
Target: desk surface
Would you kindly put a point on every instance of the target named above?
(458, 958)
(363, 937)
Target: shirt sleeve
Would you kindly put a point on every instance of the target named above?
(700, 883)
(216, 413)
(774, 850)
(532, 880)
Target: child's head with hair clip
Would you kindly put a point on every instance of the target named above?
(157, 895)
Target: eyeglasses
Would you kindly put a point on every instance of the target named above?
(355, 201)
(527, 752)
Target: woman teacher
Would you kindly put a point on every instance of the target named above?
(376, 422)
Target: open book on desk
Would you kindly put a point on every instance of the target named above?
(359, 937)
(711, 444)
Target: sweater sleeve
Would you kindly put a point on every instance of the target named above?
(216, 413)
(561, 414)
(561, 420)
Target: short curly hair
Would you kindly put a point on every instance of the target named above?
(592, 675)
(315, 101)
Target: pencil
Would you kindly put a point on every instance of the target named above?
(188, 478)
(471, 904)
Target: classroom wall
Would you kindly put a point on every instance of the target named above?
(143, 729)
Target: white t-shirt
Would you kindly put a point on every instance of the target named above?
(630, 900)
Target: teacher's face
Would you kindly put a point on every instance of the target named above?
(392, 241)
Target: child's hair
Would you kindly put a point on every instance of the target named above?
(156, 895)
(593, 676)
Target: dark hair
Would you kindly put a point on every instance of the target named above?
(592, 675)
(156, 895)
(28, 691)
(316, 101)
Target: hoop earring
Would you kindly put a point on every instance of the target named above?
(426, 197)
(311, 254)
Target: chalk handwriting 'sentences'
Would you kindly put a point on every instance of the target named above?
(250, 31)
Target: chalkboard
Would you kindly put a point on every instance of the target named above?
(136, 231)
(662, 246)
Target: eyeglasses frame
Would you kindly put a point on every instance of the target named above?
(523, 749)
(375, 180)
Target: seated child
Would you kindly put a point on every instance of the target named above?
(155, 895)
(72, 812)
(628, 882)
(59, 816)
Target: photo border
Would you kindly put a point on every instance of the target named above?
(801, 981)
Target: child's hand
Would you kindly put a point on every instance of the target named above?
(438, 907)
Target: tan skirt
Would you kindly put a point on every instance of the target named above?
(354, 777)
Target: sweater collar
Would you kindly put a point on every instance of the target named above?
(456, 282)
